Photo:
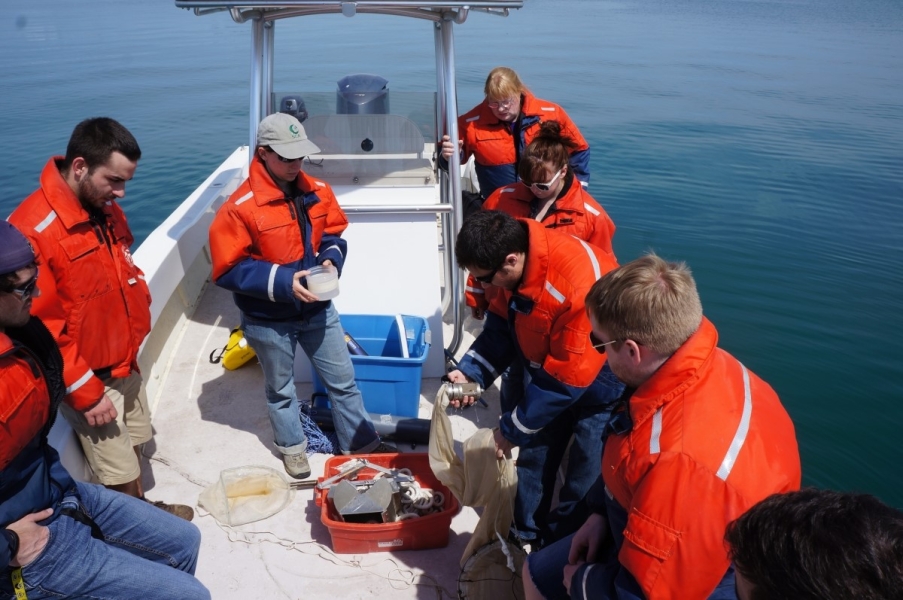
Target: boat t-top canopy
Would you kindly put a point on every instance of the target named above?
(444, 15)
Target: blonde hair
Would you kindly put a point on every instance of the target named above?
(502, 83)
(650, 301)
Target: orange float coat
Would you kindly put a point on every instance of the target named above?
(94, 299)
(259, 238)
(497, 145)
(709, 440)
(547, 325)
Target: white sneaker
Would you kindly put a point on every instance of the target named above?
(296, 465)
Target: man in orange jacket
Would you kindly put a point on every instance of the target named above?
(94, 299)
(539, 319)
(700, 439)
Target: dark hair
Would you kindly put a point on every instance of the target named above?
(819, 545)
(549, 146)
(96, 139)
(487, 237)
(7, 282)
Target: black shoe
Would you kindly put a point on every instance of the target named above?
(384, 448)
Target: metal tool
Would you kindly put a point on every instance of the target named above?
(353, 466)
(458, 393)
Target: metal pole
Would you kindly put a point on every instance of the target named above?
(441, 129)
(454, 177)
(266, 100)
(256, 82)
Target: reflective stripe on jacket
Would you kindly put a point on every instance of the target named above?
(545, 322)
(709, 440)
(575, 212)
(93, 299)
(31, 389)
(497, 147)
(259, 238)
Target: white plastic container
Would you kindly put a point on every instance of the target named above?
(324, 282)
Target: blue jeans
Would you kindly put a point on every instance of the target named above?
(322, 339)
(538, 463)
(146, 553)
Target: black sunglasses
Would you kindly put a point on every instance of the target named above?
(598, 344)
(487, 278)
(283, 159)
(25, 290)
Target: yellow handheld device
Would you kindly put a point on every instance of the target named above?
(235, 353)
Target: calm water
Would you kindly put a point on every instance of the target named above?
(762, 142)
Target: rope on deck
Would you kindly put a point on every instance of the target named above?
(318, 441)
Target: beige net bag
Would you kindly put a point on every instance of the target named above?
(490, 566)
(246, 494)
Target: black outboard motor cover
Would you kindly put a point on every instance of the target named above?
(362, 94)
(294, 106)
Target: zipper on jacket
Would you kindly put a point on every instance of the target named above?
(299, 215)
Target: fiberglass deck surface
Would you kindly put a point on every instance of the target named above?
(208, 419)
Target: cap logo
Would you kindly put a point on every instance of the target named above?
(293, 129)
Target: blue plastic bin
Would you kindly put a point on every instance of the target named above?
(389, 382)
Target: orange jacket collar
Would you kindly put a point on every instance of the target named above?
(265, 189)
(678, 373)
(60, 196)
(536, 261)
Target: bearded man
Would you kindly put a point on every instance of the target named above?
(94, 298)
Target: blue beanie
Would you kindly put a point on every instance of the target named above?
(15, 250)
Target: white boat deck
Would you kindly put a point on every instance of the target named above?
(207, 419)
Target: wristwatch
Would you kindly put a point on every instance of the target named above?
(12, 539)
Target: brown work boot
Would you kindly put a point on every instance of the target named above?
(180, 510)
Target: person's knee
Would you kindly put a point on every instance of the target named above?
(531, 592)
(192, 537)
(189, 538)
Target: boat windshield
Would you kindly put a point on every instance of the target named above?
(368, 137)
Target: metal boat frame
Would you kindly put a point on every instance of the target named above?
(444, 14)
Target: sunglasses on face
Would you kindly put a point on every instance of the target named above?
(545, 187)
(25, 291)
(488, 277)
(286, 160)
(598, 344)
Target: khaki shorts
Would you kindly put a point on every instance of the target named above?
(109, 449)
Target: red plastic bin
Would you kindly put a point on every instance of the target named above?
(430, 531)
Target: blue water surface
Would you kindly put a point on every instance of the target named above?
(760, 141)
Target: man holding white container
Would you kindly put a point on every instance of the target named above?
(276, 244)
